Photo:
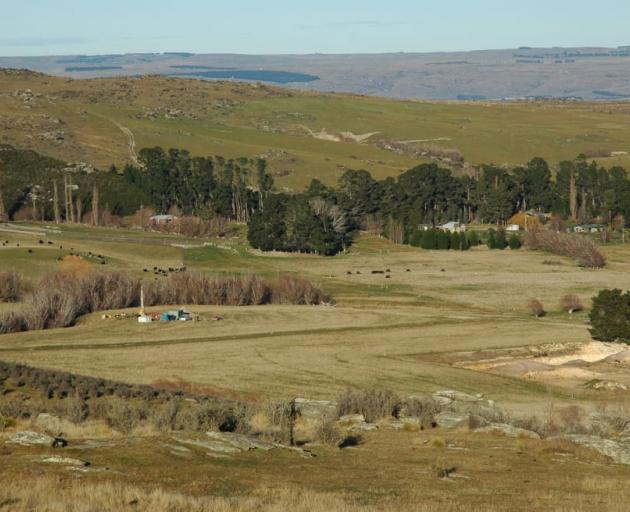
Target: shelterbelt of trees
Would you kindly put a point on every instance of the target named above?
(321, 219)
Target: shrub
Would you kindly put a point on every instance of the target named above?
(610, 316)
(328, 432)
(536, 308)
(373, 404)
(473, 238)
(571, 304)
(13, 321)
(61, 298)
(514, 242)
(580, 248)
(11, 286)
(491, 239)
(501, 242)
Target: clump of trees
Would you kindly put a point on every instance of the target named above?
(438, 239)
(610, 316)
(321, 220)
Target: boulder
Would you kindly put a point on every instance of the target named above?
(228, 443)
(619, 452)
(29, 438)
(68, 461)
(315, 410)
(508, 430)
(452, 419)
(458, 396)
(355, 422)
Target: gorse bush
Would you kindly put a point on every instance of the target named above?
(61, 298)
(439, 240)
(610, 316)
(580, 248)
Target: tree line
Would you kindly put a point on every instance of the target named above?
(322, 219)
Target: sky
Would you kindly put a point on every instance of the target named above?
(58, 27)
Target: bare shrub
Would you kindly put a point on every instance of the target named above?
(328, 431)
(59, 299)
(571, 304)
(11, 286)
(374, 404)
(296, 290)
(13, 321)
(580, 248)
(536, 308)
(423, 408)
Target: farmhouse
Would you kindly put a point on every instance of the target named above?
(161, 220)
(526, 220)
(454, 227)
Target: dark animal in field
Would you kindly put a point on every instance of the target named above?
(378, 272)
(446, 472)
(408, 270)
(388, 277)
(50, 242)
(350, 441)
(59, 442)
(41, 242)
(349, 273)
(388, 270)
(30, 251)
(443, 270)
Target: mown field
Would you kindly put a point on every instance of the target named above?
(380, 332)
(303, 135)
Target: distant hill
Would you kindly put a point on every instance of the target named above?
(575, 73)
(302, 134)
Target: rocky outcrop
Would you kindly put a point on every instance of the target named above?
(68, 461)
(29, 438)
(508, 430)
(452, 419)
(618, 451)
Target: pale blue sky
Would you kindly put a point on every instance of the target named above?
(44, 27)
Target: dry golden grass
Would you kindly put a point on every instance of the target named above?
(50, 494)
(380, 332)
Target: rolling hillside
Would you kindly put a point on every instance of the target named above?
(303, 135)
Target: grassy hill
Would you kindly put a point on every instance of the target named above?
(303, 135)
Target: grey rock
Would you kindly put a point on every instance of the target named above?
(68, 461)
(452, 419)
(617, 451)
(458, 396)
(352, 419)
(508, 430)
(29, 438)
(228, 443)
(314, 409)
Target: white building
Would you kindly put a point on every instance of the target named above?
(454, 227)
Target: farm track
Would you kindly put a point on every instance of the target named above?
(264, 335)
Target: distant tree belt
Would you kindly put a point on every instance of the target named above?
(321, 219)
